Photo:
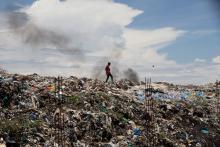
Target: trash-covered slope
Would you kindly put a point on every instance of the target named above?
(98, 114)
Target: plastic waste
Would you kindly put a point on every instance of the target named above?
(137, 132)
(205, 131)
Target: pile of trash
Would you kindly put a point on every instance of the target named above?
(94, 113)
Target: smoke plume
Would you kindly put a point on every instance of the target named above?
(37, 37)
(73, 28)
(131, 75)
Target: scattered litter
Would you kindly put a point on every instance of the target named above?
(86, 112)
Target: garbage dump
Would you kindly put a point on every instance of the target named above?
(37, 111)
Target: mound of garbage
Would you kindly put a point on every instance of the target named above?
(46, 111)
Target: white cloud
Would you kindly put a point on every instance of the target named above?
(200, 60)
(91, 25)
(99, 28)
(142, 45)
(136, 39)
(216, 59)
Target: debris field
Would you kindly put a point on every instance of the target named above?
(38, 111)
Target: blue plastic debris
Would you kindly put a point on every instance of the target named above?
(205, 131)
(200, 93)
(137, 132)
(33, 116)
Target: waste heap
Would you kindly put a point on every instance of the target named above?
(99, 114)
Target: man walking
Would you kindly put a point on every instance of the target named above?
(108, 72)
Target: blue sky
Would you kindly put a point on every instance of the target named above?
(9, 5)
(199, 16)
(187, 30)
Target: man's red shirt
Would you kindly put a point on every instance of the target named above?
(107, 70)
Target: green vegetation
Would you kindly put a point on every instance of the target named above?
(73, 99)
